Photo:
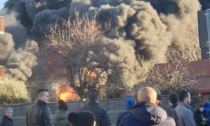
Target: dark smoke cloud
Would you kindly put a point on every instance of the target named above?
(22, 60)
(44, 20)
(33, 7)
(18, 52)
(205, 4)
(6, 45)
(148, 26)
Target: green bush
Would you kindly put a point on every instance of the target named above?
(13, 91)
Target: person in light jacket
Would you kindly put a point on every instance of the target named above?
(185, 115)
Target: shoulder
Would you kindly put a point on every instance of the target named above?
(168, 122)
(129, 120)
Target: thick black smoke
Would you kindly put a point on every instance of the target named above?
(205, 4)
(151, 25)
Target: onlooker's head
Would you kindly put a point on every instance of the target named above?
(82, 119)
(147, 94)
(93, 95)
(184, 96)
(201, 108)
(206, 106)
(62, 105)
(173, 100)
(43, 94)
(8, 111)
(129, 103)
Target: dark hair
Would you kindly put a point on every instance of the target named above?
(39, 91)
(93, 95)
(173, 98)
(85, 118)
(182, 95)
(62, 105)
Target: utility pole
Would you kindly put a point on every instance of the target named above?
(208, 29)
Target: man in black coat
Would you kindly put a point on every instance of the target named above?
(102, 118)
(146, 112)
(170, 111)
(6, 119)
(39, 113)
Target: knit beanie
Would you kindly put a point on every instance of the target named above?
(62, 105)
(129, 103)
(85, 118)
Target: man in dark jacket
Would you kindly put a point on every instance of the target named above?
(39, 113)
(146, 112)
(129, 103)
(102, 118)
(6, 119)
(170, 111)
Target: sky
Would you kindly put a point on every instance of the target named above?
(2, 3)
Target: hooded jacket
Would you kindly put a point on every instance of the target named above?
(206, 107)
(60, 118)
(146, 114)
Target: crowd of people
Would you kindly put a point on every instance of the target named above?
(145, 110)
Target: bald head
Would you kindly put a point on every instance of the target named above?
(147, 94)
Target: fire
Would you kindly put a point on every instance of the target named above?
(92, 74)
(67, 93)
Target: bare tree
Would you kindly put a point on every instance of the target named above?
(185, 45)
(87, 56)
(172, 77)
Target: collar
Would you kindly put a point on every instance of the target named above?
(142, 104)
(41, 102)
(184, 104)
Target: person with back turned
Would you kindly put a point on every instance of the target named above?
(102, 118)
(146, 112)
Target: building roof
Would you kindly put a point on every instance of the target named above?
(197, 69)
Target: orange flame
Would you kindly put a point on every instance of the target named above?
(68, 94)
(92, 74)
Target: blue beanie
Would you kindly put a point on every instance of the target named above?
(129, 103)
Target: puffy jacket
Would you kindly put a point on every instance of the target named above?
(6, 121)
(121, 116)
(102, 118)
(39, 115)
(60, 118)
(146, 114)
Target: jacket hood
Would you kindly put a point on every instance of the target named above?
(148, 114)
(206, 106)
